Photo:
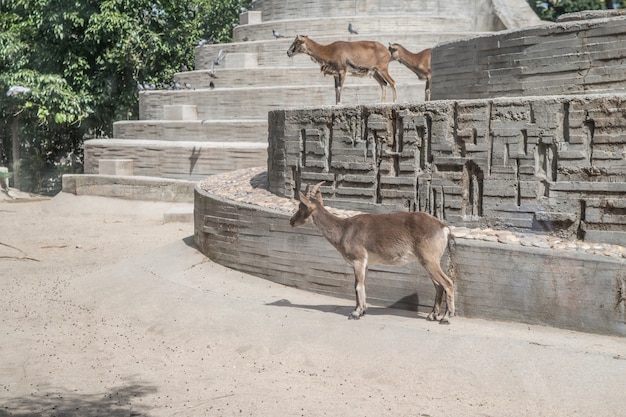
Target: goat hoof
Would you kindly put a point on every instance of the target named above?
(432, 317)
(444, 321)
(355, 315)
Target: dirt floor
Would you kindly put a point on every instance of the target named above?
(108, 311)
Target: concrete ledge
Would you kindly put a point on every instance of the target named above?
(560, 288)
(131, 188)
(234, 130)
(181, 160)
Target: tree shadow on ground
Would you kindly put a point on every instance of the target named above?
(116, 402)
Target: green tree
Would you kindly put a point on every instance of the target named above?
(552, 9)
(81, 61)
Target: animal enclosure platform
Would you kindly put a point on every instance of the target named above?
(501, 275)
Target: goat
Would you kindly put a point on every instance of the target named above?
(383, 239)
(419, 63)
(361, 58)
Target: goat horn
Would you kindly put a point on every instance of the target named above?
(316, 188)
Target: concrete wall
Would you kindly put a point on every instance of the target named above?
(567, 289)
(573, 57)
(552, 164)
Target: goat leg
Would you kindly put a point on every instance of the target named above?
(360, 270)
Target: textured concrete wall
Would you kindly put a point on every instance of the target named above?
(561, 58)
(553, 164)
(568, 289)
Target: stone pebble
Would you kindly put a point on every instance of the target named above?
(250, 186)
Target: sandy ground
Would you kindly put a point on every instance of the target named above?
(107, 311)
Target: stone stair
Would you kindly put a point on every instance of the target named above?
(220, 123)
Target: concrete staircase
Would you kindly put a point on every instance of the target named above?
(220, 123)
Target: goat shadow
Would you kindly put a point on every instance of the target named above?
(405, 307)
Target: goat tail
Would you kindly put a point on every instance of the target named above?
(452, 269)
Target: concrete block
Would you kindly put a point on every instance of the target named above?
(180, 112)
(250, 17)
(116, 167)
(179, 214)
(239, 60)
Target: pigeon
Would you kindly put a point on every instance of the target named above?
(242, 10)
(183, 68)
(211, 85)
(140, 86)
(209, 41)
(188, 86)
(276, 34)
(212, 73)
(352, 30)
(177, 86)
(220, 56)
(17, 89)
(245, 39)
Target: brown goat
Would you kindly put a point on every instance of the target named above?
(419, 63)
(361, 58)
(383, 239)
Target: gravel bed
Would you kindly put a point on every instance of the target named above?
(250, 186)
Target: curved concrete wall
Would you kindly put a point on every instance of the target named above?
(570, 289)
(560, 58)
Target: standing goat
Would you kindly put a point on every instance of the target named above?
(361, 58)
(419, 63)
(383, 239)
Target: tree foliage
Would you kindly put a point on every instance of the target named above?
(82, 60)
(552, 9)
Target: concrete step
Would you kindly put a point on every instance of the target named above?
(130, 187)
(282, 10)
(175, 160)
(255, 102)
(241, 130)
(367, 27)
(278, 76)
(273, 53)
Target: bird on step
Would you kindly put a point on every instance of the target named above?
(276, 34)
(352, 30)
(220, 56)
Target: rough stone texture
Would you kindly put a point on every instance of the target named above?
(568, 284)
(572, 57)
(553, 164)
